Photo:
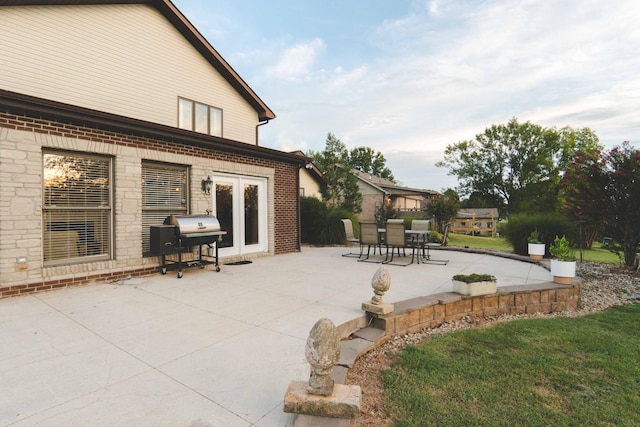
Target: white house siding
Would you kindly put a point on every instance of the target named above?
(310, 185)
(21, 204)
(122, 59)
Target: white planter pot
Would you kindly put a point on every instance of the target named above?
(474, 288)
(536, 250)
(563, 272)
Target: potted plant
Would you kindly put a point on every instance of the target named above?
(474, 284)
(563, 263)
(535, 245)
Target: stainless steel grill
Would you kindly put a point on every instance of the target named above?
(194, 225)
(181, 233)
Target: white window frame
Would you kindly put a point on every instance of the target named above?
(189, 118)
(75, 239)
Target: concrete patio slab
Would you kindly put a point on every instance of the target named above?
(210, 349)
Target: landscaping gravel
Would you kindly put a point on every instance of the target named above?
(603, 286)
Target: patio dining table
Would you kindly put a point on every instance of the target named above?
(419, 237)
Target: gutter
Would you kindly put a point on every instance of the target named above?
(18, 103)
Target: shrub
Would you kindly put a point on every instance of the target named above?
(436, 237)
(519, 227)
(474, 277)
(332, 230)
(534, 237)
(312, 214)
(323, 225)
(561, 250)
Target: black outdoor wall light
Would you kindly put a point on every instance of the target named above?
(207, 185)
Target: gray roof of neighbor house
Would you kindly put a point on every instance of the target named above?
(389, 187)
(171, 12)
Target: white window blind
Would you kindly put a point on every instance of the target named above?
(164, 193)
(77, 213)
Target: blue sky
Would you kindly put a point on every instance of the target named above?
(407, 78)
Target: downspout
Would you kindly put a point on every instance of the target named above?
(257, 133)
(306, 166)
(298, 209)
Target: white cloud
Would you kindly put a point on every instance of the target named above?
(342, 84)
(296, 62)
(434, 7)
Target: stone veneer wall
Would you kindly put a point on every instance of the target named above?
(22, 140)
(431, 311)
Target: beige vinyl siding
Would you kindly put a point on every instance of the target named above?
(122, 59)
(310, 185)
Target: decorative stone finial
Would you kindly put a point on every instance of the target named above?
(322, 352)
(381, 283)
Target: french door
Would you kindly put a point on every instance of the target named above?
(240, 204)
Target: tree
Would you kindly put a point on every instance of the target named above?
(580, 186)
(366, 160)
(444, 210)
(477, 200)
(518, 164)
(339, 187)
(604, 190)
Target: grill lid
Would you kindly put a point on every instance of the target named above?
(193, 225)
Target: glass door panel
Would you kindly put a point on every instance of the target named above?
(251, 217)
(224, 211)
(240, 204)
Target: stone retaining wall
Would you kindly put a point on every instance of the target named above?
(431, 311)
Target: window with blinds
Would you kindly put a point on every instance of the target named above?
(77, 208)
(164, 192)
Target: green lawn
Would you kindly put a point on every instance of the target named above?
(534, 372)
(597, 254)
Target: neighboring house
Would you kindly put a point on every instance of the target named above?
(477, 221)
(112, 113)
(310, 180)
(377, 191)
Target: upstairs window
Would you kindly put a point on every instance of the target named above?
(199, 117)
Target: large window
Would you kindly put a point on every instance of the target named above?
(199, 117)
(77, 208)
(164, 192)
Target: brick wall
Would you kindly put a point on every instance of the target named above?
(22, 139)
(431, 311)
(286, 191)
